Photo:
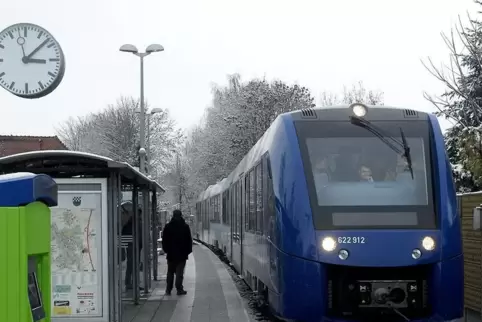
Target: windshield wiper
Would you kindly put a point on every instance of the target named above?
(386, 139)
(406, 153)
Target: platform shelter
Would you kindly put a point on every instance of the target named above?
(88, 257)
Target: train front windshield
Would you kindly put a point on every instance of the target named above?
(358, 181)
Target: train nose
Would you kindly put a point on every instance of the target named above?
(397, 247)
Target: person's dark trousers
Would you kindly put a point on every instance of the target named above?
(175, 267)
(130, 264)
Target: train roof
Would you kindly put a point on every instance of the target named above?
(335, 112)
(343, 112)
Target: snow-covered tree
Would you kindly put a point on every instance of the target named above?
(462, 101)
(114, 132)
(239, 115)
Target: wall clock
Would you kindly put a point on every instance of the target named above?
(32, 63)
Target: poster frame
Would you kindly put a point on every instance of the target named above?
(104, 248)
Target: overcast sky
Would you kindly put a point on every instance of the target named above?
(321, 44)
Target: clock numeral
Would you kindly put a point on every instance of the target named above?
(51, 45)
(26, 88)
(41, 85)
(1, 60)
(1, 74)
(2, 46)
(54, 59)
(12, 85)
(25, 32)
(51, 74)
(10, 34)
(40, 34)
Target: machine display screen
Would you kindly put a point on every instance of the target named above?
(34, 296)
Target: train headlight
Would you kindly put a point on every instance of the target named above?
(358, 109)
(328, 244)
(416, 253)
(428, 243)
(343, 254)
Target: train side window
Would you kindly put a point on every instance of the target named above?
(252, 200)
(233, 213)
(246, 202)
(219, 201)
(230, 205)
(265, 195)
(232, 197)
(218, 208)
(214, 210)
(211, 209)
(270, 202)
(236, 210)
(203, 212)
(259, 197)
(240, 206)
(225, 207)
(207, 212)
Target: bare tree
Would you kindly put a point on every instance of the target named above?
(465, 55)
(114, 133)
(357, 93)
(461, 101)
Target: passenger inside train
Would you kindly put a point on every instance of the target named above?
(366, 169)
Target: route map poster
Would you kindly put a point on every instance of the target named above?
(76, 255)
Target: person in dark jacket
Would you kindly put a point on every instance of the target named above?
(177, 243)
(127, 230)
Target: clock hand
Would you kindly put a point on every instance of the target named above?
(36, 61)
(21, 42)
(38, 48)
(24, 58)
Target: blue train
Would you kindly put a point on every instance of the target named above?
(344, 214)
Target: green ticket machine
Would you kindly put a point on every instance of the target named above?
(25, 285)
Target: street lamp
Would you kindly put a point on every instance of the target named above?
(149, 114)
(153, 48)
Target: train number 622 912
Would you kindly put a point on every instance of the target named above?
(351, 240)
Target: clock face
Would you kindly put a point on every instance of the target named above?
(32, 63)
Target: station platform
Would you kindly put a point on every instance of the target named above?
(211, 295)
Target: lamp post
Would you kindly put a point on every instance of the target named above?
(153, 48)
(149, 114)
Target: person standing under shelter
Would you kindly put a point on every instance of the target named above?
(177, 243)
(127, 230)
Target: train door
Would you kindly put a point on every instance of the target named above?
(272, 237)
(242, 219)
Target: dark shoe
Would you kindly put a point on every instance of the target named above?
(168, 292)
(181, 292)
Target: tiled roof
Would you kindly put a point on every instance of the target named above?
(13, 144)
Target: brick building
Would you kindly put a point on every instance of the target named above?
(12, 144)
